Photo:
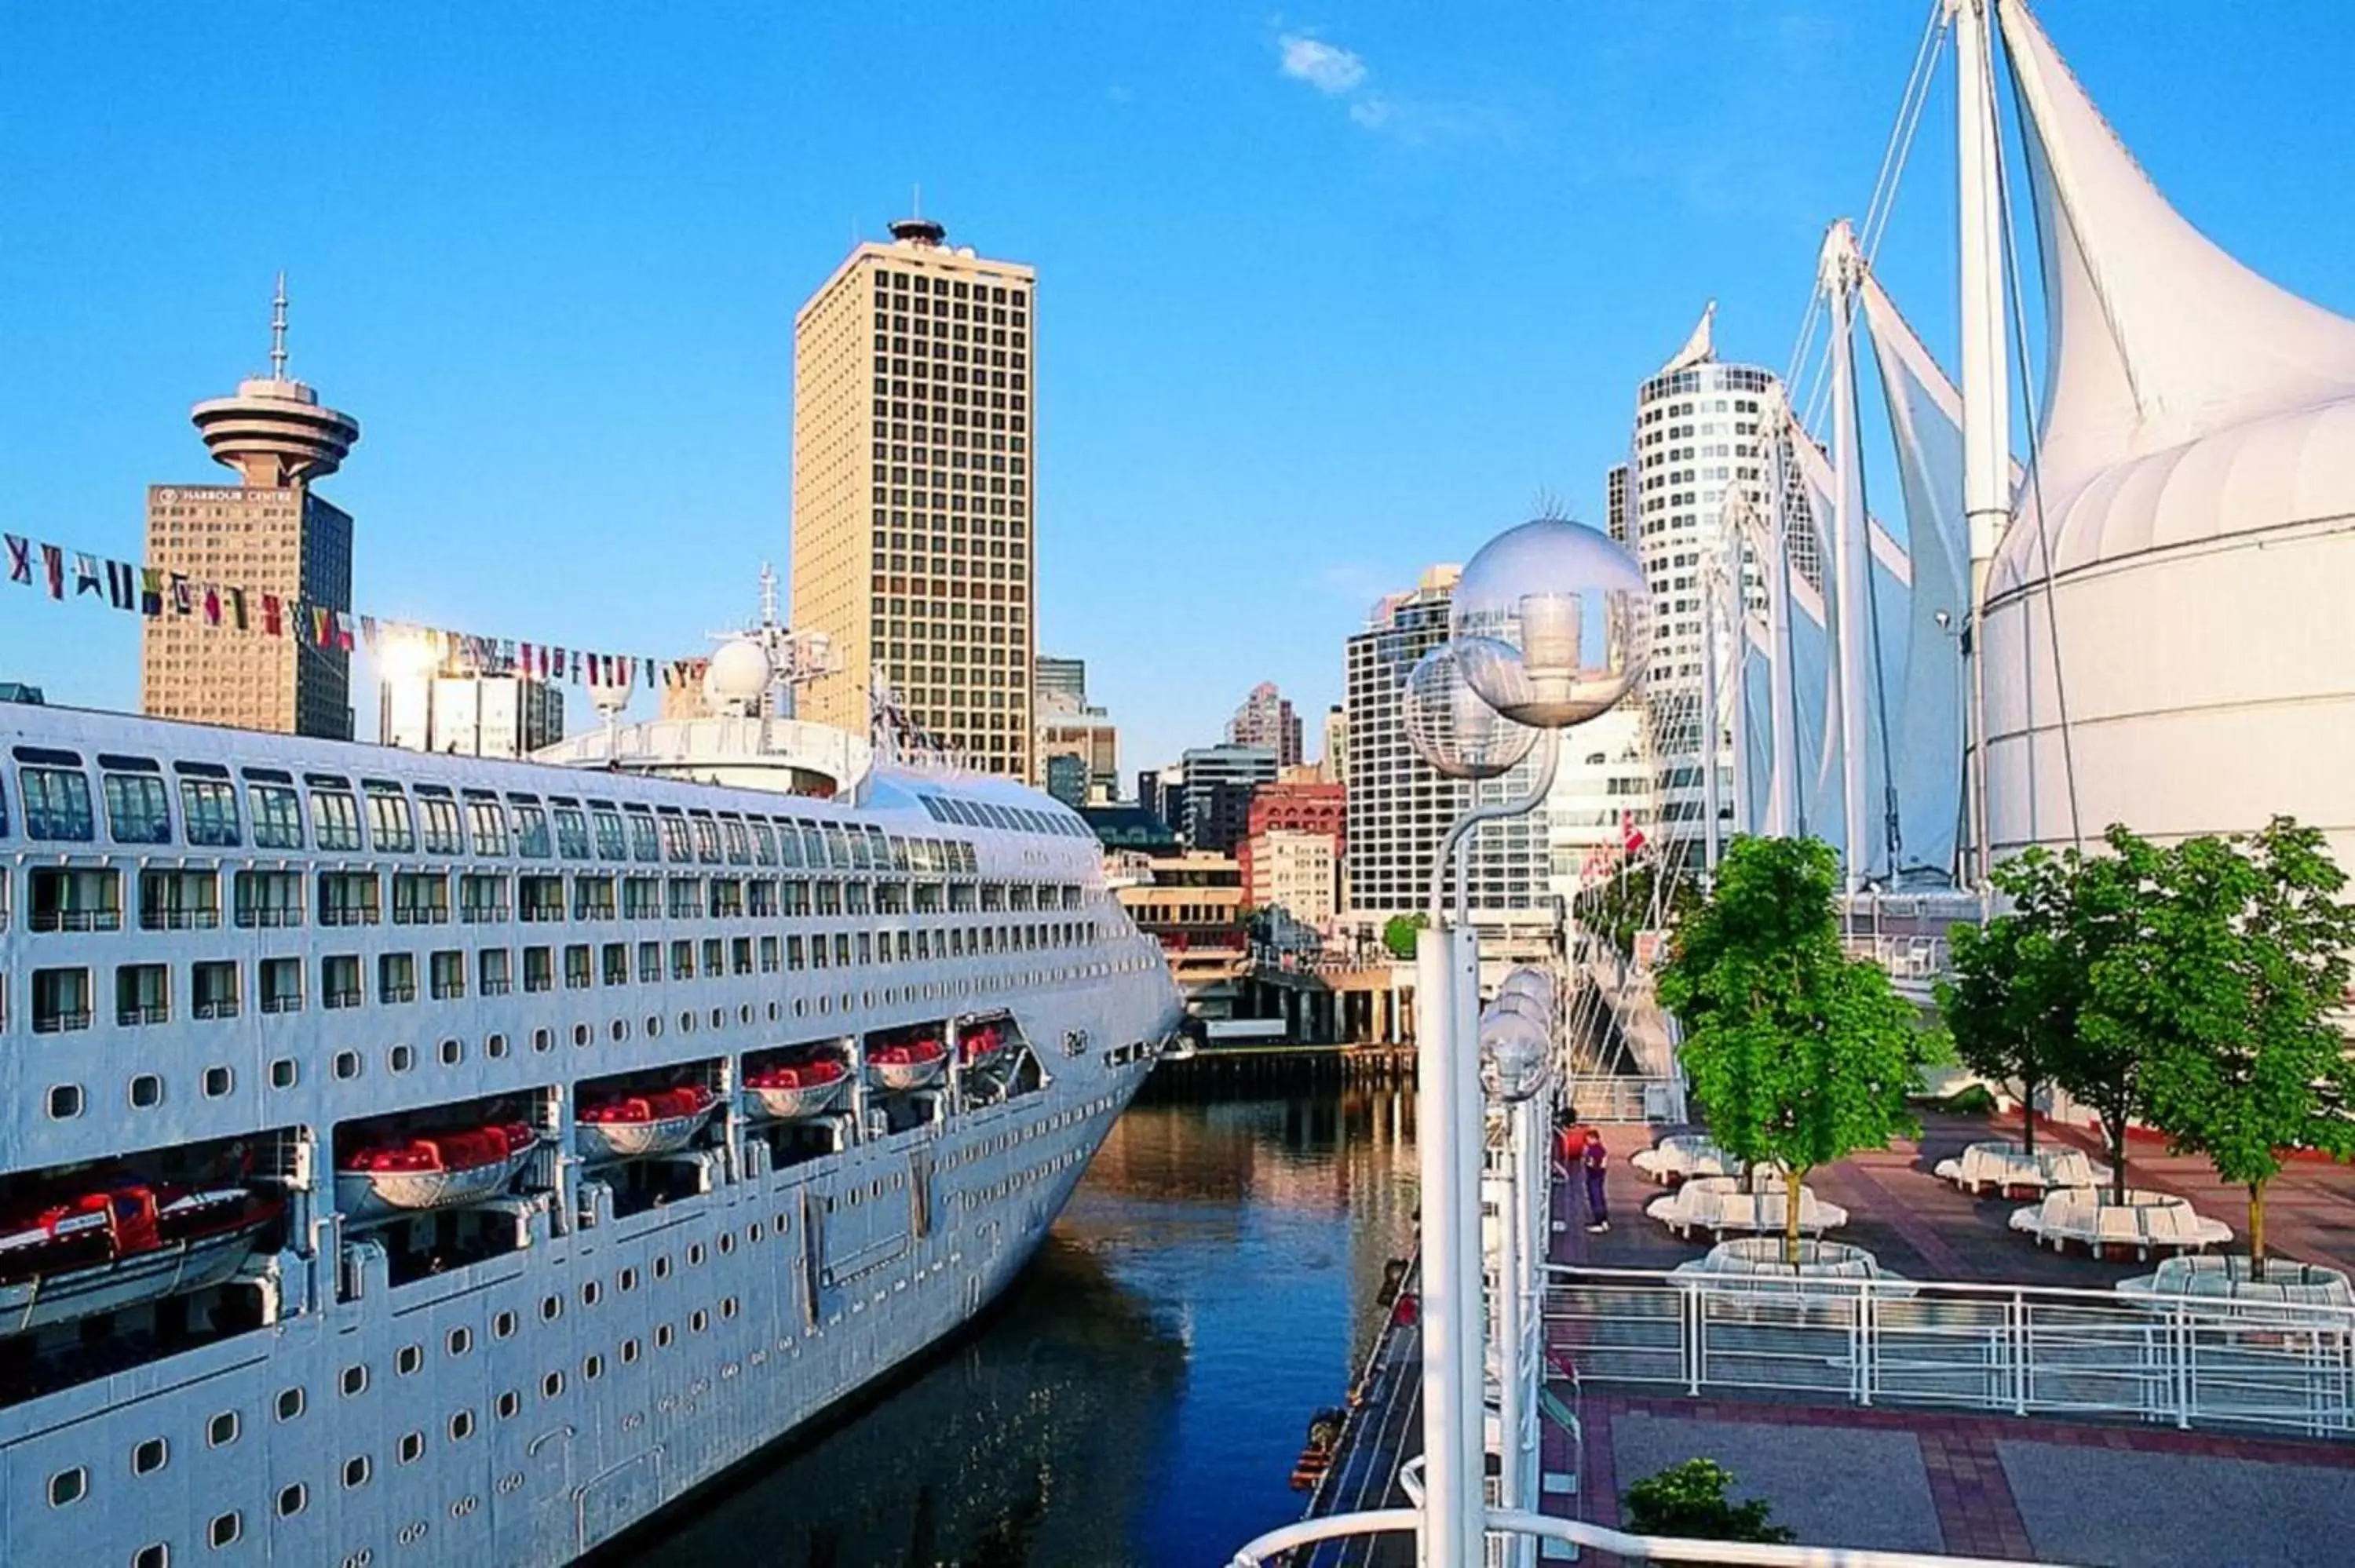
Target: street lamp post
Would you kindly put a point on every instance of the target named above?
(1551, 626)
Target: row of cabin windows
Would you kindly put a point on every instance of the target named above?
(63, 996)
(383, 815)
(90, 898)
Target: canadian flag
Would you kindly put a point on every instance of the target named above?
(1631, 837)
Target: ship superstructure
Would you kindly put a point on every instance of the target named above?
(426, 1158)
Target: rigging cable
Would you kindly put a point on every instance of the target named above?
(2035, 453)
(1890, 829)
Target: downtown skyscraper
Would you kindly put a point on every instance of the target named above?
(913, 519)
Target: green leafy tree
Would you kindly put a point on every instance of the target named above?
(1398, 933)
(1797, 1055)
(1632, 901)
(1688, 1502)
(2103, 917)
(2017, 989)
(2235, 977)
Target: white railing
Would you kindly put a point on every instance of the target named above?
(1261, 1553)
(2184, 1361)
(1622, 1098)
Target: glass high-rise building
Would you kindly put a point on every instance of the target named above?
(913, 483)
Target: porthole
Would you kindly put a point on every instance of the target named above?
(697, 1320)
(347, 1064)
(801, 1006)
(221, 1430)
(408, 1358)
(290, 1403)
(411, 1447)
(662, 1267)
(292, 1500)
(551, 1385)
(460, 1342)
(589, 1292)
(581, 1035)
(150, 1456)
(550, 1309)
(728, 1307)
(752, 1233)
(69, 1486)
(356, 1470)
(719, 1018)
(509, 1403)
(453, 1053)
(542, 1041)
(620, 1030)
(773, 1012)
(629, 1352)
(462, 1426)
(653, 1027)
(403, 1057)
(354, 1381)
(686, 1023)
(503, 1326)
(146, 1091)
(225, 1529)
(727, 1242)
(593, 1367)
(694, 1254)
(627, 1279)
(154, 1554)
(744, 1013)
(496, 1047)
(283, 1072)
(662, 1336)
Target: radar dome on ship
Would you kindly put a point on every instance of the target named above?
(738, 677)
(2185, 539)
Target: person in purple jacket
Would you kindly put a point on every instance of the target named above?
(1593, 1158)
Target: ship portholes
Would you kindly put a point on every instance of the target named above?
(496, 1047)
(412, 1532)
(774, 1011)
(290, 1403)
(65, 1102)
(686, 1022)
(409, 1359)
(225, 1529)
(744, 1013)
(347, 1064)
(542, 1041)
(510, 1482)
(146, 1091)
(503, 1326)
(654, 1026)
(620, 1030)
(402, 1058)
(453, 1053)
(285, 1072)
(68, 1487)
(292, 1500)
(581, 1035)
(150, 1456)
(221, 1430)
(217, 1082)
(463, 1507)
(360, 1559)
(155, 1554)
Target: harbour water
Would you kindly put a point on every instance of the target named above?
(1139, 1395)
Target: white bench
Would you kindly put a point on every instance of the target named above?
(2146, 1223)
(1718, 1205)
(1682, 1155)
(2002, 1168)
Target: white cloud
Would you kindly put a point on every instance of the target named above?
(1328, 68)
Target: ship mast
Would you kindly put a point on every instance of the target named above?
(1987, 414)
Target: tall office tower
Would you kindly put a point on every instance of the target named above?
(1398, 807)
(1058, 681)
(269, 538)
(452, 710)
(1614, 503)
(1696, 438)
(1333, 767)
(913, 491)
(1214, 793)
(1266, 720)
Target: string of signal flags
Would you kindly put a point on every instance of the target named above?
(158, 594)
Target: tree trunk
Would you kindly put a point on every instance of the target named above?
(2028, 1117)
(1792, 1176)
(2256, 1230)
(2114, 1131)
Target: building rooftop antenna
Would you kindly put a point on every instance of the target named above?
(768, 595)
(278, 332)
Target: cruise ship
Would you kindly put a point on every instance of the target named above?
(423, 1159)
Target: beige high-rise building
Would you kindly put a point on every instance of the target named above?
(211, 655)
(913, 524)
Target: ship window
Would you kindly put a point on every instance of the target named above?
(576, 965)
(663, 1336)
(292, 1500)
(441, 832)
(614, 963)
(396, 977)
(738, 842)
(619, 1029)
(572, 832)
(510, 1404)
(697, 1320)
(68, 1485)
(581, 1035)
(503, 1326)
(789, 844)
(138, 809)
(610, 845)
(496, 1047)
(146, 1091)
(814, 847)
(593, 1367)
(706, 834)
(411, 1447)
(290, 1403)
(420, 897)
(531, 830)
(629, 1352)
(355, 1380)
(65, 1102)
(462, 1426)
(356, 1471)
(551, 1385)
(538, 969)
(764, 844)
(335, 815)
(446, 974)
(401, 1058)
(492, 964)
(150, 1456)
(627, 1279)
(646, 840)
(482, 896)
(221, 1430)
(662, 1267)
(542, 1041)
(225, 1529)
(391, 825)
(347, 1064)
(61, 1000)
(209, 813)
(676, 841)
(488, 823)
(155, 1554)
(277, 816)
(57, 804)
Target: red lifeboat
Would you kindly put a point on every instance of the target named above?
(907, 1064)
(788, 1091)
(982, 1043)
(121, 1243)
(438, 1170)
(630, 1126)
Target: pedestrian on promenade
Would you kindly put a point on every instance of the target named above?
(1569, 1148)
(1595, 1157)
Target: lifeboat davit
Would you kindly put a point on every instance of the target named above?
(432, 1170)
(790, 1092)
(982, 1044)
(907, 1065)
(124, 1243)
(632, 1126)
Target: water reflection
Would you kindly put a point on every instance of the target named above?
(1140, 1394)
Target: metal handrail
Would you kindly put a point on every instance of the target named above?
(1603, 1538)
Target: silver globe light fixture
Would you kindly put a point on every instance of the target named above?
(1450, 725)
(1512, 1057)
(1517, 1004)
(1572, 604)
(1528, 983)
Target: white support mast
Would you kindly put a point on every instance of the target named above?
(1852, 627)
(1734, 603)
(1783, 754)
(1710, 775)
(1986, 412)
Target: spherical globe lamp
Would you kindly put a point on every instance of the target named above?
(1451, 727)
(1571, 605)
(1529, 983)
(1512, 1058)
(1520, 1004)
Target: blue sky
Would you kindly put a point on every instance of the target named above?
(1324, 296)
